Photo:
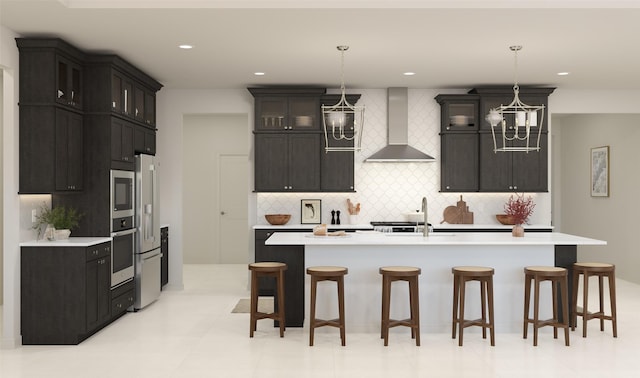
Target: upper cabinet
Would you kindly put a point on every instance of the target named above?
(469, 163)
(51, 72)
(278, 109)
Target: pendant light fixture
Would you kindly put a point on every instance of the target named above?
(343, 122)
(516, 121)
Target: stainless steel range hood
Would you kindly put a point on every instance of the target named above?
(398, 149)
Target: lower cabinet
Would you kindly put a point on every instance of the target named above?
(65, 293)
(293, 256)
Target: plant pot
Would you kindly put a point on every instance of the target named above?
(517, 231)
(62, 234)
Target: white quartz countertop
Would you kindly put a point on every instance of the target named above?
(71, 242)
(444, 226)
(439, 238)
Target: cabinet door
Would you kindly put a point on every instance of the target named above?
(164, 248)
(270, 166)
(495, 167)
(98, 285)
(69, 82)
(530, 169)
(304, 162)
(122, 134)
(271, 113)
(304, 113)
(138, 113)
(459, 115)
(68, 150)
(459, 166)
(149, 108)
(337, 168)
(144, 140)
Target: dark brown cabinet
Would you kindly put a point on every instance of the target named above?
(144, 140)
(164, 263)
(512, 171)
(65, 293)
(469, 162)
(278, 109)
(51, 124)
(122, 134)
(459, 165)
(287, 162)
(293, 256)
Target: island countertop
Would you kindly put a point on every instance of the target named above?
(437, 238)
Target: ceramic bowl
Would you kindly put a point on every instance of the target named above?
(277, 219)
(505, 219)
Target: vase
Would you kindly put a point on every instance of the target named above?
(517, 231)
(62, 234)
(353, 219)
(49, 233)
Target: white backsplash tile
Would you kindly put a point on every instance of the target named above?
(387, 191)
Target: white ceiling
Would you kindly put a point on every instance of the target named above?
(447, 44)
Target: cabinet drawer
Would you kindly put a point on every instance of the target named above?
(98, 251)
(121, 303)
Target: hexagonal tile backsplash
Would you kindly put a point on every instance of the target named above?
(388, 191)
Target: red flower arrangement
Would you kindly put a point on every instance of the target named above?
(519, 208)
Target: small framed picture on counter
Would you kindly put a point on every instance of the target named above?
(600, 171)
(310, 211)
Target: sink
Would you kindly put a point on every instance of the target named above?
(414, 234)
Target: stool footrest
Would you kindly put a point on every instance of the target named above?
(331, 323)
(549, 322)
(475, 322)
(404, 322)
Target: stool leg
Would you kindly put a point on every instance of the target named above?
(386, 299)
(536, 306)
(601, 299)
(585, 303)
(491, 319)
(254, 303)
(612, 299)
(340, 283)
(312, 314)
(565, 309)
(527, 299)
(483, 298)
(574, 299)
(555, 288)
(456, 293)
(463, 285)
(281, 309)
(415, 309)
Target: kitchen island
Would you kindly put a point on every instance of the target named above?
(364, 252)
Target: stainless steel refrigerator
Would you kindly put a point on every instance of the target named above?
(147, 214)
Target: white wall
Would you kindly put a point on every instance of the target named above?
(207, 137)
(612, 218)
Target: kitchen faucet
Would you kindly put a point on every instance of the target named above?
(425, 228)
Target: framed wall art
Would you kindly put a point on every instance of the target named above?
(600, 171)
(310, 211)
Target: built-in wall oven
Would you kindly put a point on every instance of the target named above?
(122, 226)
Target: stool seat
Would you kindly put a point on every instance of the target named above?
(600, 270)
(462, 275)
(327, 273)
(267, 269)
(558, 278)
(400, 273)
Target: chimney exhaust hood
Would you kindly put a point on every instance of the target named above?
(398, 149)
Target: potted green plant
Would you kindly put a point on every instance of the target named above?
(58, 220)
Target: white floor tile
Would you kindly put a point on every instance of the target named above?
(192, 333)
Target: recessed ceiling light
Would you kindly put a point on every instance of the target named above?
(409, 73)
(563, 73)
(259, 73)
(186, 47)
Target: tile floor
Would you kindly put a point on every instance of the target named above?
(192, 333)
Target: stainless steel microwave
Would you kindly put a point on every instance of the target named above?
(122, 194)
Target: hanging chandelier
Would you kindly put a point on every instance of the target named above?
(343, 122)
(516, 121)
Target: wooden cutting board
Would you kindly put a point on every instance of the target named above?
(451, 215)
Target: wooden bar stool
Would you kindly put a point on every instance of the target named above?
(400, 273)
(462, 275)
(327, 273)
(558, 278)
(600, 270)
(267, 269)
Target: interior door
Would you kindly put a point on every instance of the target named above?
(233, 199)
